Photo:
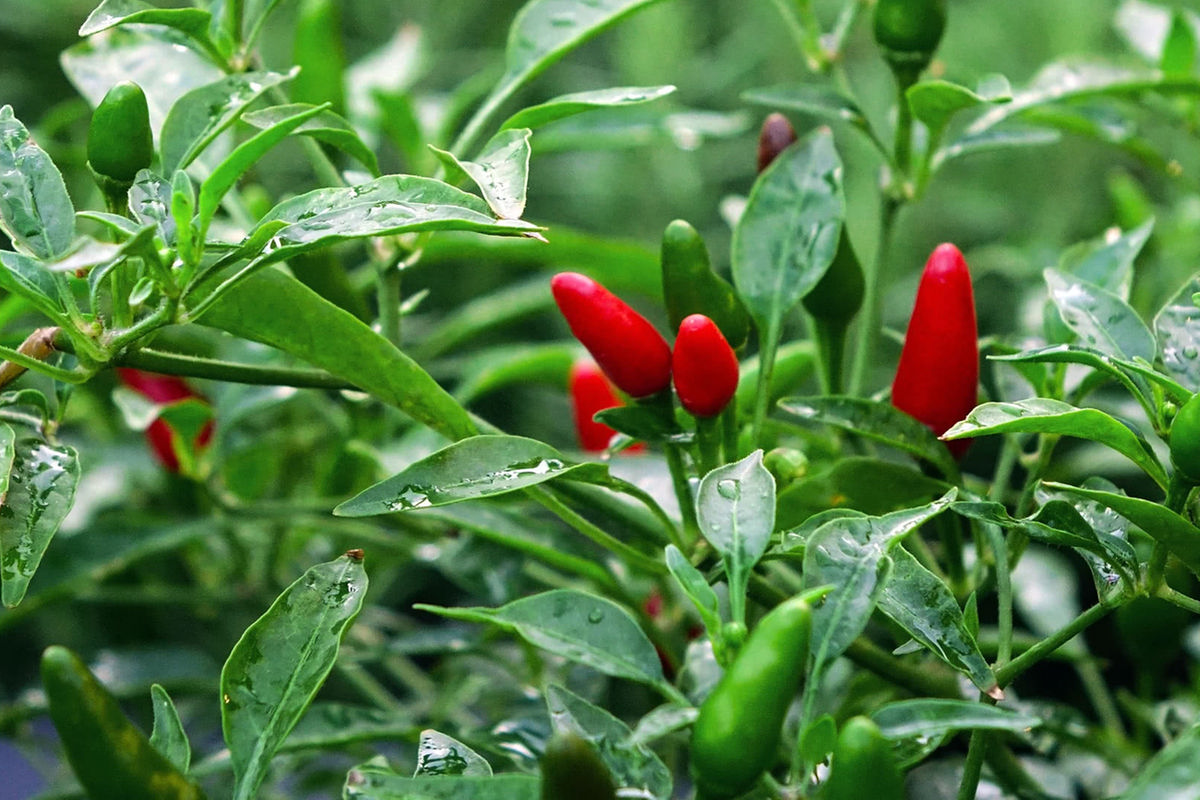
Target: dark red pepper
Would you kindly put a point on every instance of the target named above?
(776, 134)
(937, 380)
(163, 389)
(631, 352)
(704, 366)
(592, 393)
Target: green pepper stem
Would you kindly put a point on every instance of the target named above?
(1008, 672)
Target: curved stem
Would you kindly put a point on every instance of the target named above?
(1007, 673)
(633, 558)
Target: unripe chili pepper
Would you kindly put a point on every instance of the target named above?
(1185, 440)
(691, 287)
(863, 765)
(774, 137)
(908, 32)
(109, 755)
(573, 770)
(120, 141)
(631, 352)
(592, 393)
(163, 389)
(832, 303)
(937, 379)
(704, 367)
(737, 733)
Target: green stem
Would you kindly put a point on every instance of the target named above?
(807, 39)
(973, 767)
(633, 558)
(41, 367)
(1007, 673)
(872, 314)
(708, 440)
(1004, 593)
(729, 425)
(1178, 598)
(768, 345)
(830, 338)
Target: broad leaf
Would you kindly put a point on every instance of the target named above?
(40, 491)
(1101, 319)
(1174, 772)
(1177, 328)
(26, 277)
(480, 466)
(35, 209)
(194, 22)
(501, 171)
(281, 661)
(1043, 415)
(327, 127)
(439, 754)
(1107, 261)
(1134, 376)
(372, 782)
(568, 105)
(582, 627)
(918, 727)
(168, 736)
(934, 102)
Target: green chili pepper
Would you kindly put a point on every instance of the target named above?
(691, 287)
(1185, 440)
(573, 770)
(832, 303)
(112, 759)
(863, 765)
(120, 141)
(908, 32)
(736, 736)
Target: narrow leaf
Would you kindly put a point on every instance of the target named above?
(168, 736)
(568, 105)
(812, 99)
(693, 584)
(327, 127)
(371, 782)
(931, 717)
(194, 22)
(281, 660)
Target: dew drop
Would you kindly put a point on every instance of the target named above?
(729, 489)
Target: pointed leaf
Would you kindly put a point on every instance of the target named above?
(693, 584)
(168, 736)
(1177, 327)
(439, 754)
(808, 98)
(1108, 260)
(1102, 320)
(281, 660)
(194, 22)
(35, 209)
(568, 105)
(934, 102)
(501, 171)
(327, 127)
(932, 717)
(582, 627)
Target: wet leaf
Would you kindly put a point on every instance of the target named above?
(327, 127)
(1177, 328)
(501, 171)
(35, 209)
(569, 105)
(735, 506)
(372, 782)
(439, 754)
(1102, 320)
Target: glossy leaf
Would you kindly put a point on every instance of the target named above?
(1102, 320)
(920, 603)
(480, 466)
(1179, 536)
(1111, 530)
(501, 171)
(150, 203)
(168, 736)
(568, 105)
(496, 368)
(41, 490)
(1043, 415)
(1134, 376)
(26, 277)
(326, 725)
(582, 627)
(817, 101)
(1006, 138)
(933, 716)
(632, 765)
(264, 309)
(35, 209)
(371, 782)
(661, 721)
(787, 236)
(194, 22)
(851, 554)
(875, 420)
(281, 661)
(199, 116)
(1173, 773)
(855, 482)
(693, 584)
(1177, 328)
(439, 754)
(1108, 260)
(735, 506)
(326, 126)
(935, 102)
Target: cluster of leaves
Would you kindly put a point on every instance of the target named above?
(590, 575)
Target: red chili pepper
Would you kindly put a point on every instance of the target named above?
(631, 352)
(163, 389)
(938, 375)
(704, 366)
(591, 393)
(776, 134)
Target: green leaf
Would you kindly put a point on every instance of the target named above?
(150, 203)
(855, 482)
(265, 307)
(199, 116)
(168, 736)
(371, 782)
(788, 234)
(1043, 415)
(1134, 376)
(917, 600)
(931, 717)
(808, 98)
(329, 725)
(568, 105)
(645, 424)
(24, 276)
(1107, 261)
(851, 554)
(1111, 530)
(1101, 319)
(1174, 772)
(693, 584)
(233, 166)
(735, 506)
(875, 420)
(934, 102)
(584, 628)
(327, 127)
(661, 721)
(281, 661)
(501, 171)
(1007, 138)
(439, 754)
(1179, 49)
(35, 209)
(194, 22)
(1177, 328)
(480, 466)
(632, 764)
(40, 491)
(496, 368)
(1179, 536)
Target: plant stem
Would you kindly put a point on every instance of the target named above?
(1007, 673)
(768, 345)
(871, 321)
(973, 767)
(633, 558)
(1178, 598)
(387, 287)
(1004, 594)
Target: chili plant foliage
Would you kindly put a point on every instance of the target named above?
(391, 534)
